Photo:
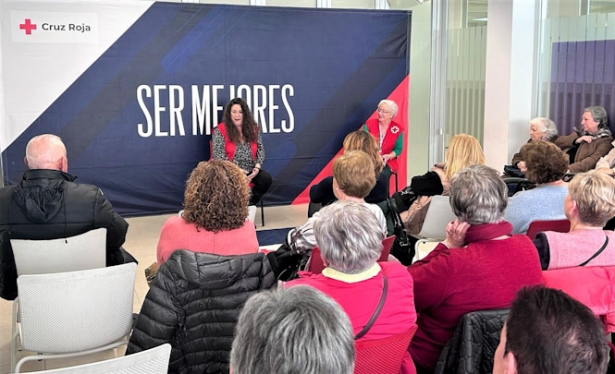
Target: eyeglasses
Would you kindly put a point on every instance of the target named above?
(382, 111)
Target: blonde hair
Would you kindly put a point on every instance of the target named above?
(594, 193)
(353, 173)
(463, 151)
(364, 141)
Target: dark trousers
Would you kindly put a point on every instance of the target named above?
(261, 182)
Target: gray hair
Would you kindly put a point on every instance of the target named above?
(45, 151)
(546, 126)
(349, 236)
(598, 114)
(293, 330)
(391, 105)
(478, 195)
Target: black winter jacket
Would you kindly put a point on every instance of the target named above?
(194, 304)
(472, 348)
(47, 204)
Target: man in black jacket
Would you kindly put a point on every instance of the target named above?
(47, 204)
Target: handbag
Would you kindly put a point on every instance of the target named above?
(151, 272)
(402, 248)
(513, 171)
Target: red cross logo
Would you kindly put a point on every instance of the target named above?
(28, 26)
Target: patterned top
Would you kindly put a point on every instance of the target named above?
(243, 153)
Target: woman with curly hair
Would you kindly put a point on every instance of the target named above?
(322, 193)
(214, 216)
(546, 165)
(237, 139)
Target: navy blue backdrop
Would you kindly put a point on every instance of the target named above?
(315, 74)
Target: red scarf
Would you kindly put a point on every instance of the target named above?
(487, 231)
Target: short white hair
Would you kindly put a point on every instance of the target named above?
(293, 330)
(349, 236)
(546, 126)
(45, 151)
(391, 105)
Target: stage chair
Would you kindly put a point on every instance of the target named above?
(152, 361)
(79, 252)
(439, 214)
(382, 356)
(73, 313)
(557, 225)
(316, 264)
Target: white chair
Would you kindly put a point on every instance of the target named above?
(79, 252)
(439, 214)
(152, 361)
(72, 314)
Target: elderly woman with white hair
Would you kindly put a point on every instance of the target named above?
(388, 133)
(540, 129)
(590, 203)
(479, 266)
(350, 240)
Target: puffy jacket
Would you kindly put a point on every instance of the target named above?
(47, 204)
(194, 304)
(472, 347)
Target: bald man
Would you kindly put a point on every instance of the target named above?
(47, 204)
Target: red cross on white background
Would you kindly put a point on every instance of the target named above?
(28, 26)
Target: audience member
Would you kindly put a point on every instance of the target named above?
(214, 216)
(541, 129)
(353, 178)
(587, 145)
(546, 166)
(322, 193)
(47, 204)
(390, 135)
(478, 266)
(294, 330)
(237, 139)
(350, 240)
(606, 164)
(194, 304)
(464, 150)
(590, 203)
(547, 331)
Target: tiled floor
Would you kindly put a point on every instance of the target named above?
(141, 243)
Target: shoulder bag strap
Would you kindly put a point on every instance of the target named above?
(606, 241)
(370, 323)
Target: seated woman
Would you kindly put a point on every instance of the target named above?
(540, 129)
(589, 204)
(586, 146)
(237, 139)
(214, 216)
(546, 166)
(350, 241)
(322, 193)
(194, 305)
(390, 135)
(480, 265)
(464, 150)
(353, 178)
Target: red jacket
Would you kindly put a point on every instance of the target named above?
(230, 147)
(448, 283)
(388, 143)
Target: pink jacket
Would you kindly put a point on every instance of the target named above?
(593, 286)
(179, 234)
(360, 299)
